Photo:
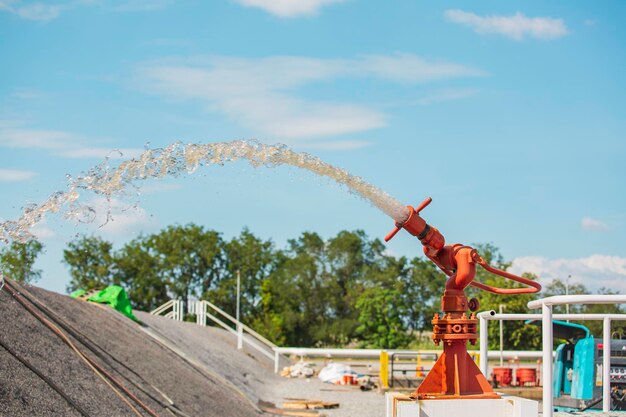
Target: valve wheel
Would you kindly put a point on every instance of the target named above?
(474, 304)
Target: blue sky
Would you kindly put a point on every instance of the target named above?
(511, 115)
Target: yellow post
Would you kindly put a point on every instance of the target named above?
(384, 369)
(419, 372)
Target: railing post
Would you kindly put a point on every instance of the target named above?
(384, 369)
(606, 365)
(419, 372)
(546, 336)
(198, 312)
(484, 333)
(239, 336)
(276, 361)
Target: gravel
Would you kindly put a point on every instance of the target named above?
(199, 368)
(22, 393)
(215, 349)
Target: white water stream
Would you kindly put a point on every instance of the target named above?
(181, 158)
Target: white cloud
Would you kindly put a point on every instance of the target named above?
(515, 27)
(101, 153)
(117, 218)
(588, 223)
(15, 135)
(594, 272)
(259, 93)
(31, 11)
(13, 175)
(411, 69)
(289, 8)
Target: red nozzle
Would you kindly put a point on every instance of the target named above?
(409, 219)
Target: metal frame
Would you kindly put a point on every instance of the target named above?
(173, 309)
(395, 357)
(176, 312)
(547, 338)
(375, 353)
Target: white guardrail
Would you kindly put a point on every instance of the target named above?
(203, 310)
(547, 353)
(546, 334)
(375, 353)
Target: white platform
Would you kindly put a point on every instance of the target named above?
(399, 405)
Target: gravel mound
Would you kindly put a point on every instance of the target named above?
(215, 349)
(151, 371)
(198, 368)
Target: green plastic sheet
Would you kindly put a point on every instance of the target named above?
(113, 295)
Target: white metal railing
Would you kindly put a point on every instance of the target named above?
(375, 353)
(546, 333)
(486, 316)
(207, 310)
(173, 309)
(547, 353)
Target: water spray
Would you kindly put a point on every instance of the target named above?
(178, 159)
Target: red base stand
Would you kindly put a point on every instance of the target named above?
(455, 375)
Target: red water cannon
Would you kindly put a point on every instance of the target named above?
(455, 375)
(445, 256)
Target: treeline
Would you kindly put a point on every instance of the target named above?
(313, 292)
(342, 291)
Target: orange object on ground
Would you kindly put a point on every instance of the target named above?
(504, 376)
(455, 375)
(526, 377)
(348, 380)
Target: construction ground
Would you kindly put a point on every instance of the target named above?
(170, 368)
(61, 356)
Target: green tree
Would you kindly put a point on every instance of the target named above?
(517, 334)
(381, 323)
(18, 259)
(188, 258)
(421, 288)
(618, 328)
(139, 272)
(293, 297)
(91, 263)
(348, 257)
(559, 287)
(254, 259)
